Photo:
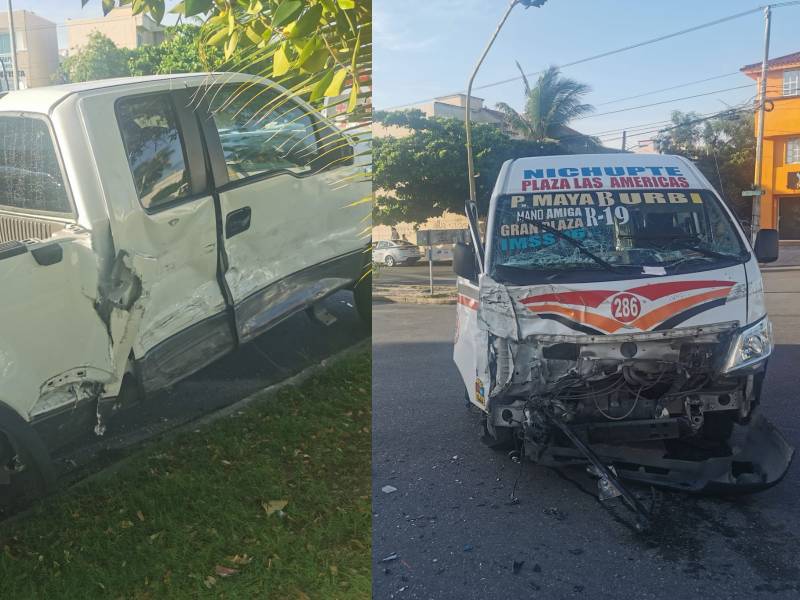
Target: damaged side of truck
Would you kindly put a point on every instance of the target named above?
(148, 227)
(615, 315)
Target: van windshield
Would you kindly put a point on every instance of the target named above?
(667, 231)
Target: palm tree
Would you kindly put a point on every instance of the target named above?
(549, 105)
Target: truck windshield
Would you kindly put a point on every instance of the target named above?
(636, 233)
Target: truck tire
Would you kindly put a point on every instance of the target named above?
(27, 472)
(362, 294)
(718, 426)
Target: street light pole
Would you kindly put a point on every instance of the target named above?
(473, 206)
(13, 39)
(755, 221)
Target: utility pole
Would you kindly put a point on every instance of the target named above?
(624, 139)
(755, 221)
(13, 38)
(472, 203)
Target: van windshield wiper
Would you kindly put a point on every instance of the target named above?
(694, 244)
(558, 233)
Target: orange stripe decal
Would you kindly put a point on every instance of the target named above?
(662, 313)
(468, 302)
(580, 316)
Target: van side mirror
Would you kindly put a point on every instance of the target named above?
(464, 261)
(766, 248)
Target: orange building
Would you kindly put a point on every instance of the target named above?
(780, 176)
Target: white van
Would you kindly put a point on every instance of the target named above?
(614, 313)
(148, 226)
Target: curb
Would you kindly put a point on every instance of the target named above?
(780, 268)
(261, 396)
(411, 299)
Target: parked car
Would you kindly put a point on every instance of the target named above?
(149, 226)
(395, 252)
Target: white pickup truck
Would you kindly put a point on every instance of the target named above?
(148, 226)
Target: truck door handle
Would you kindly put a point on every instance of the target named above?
(237, 221)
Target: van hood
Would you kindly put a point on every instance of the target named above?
(633, 306)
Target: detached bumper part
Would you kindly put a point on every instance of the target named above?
(759, 458)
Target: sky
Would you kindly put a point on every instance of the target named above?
(427, 48)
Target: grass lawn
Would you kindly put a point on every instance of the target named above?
(199, 515)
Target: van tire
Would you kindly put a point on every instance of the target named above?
(496, 438)
(362, 294)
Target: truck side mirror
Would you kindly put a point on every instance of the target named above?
(464, 261)
(766, 248)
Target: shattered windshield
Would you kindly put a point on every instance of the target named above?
(650, 232)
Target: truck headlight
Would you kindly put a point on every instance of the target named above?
(750, 347)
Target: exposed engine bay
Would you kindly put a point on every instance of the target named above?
(610, 384)
(655, 407)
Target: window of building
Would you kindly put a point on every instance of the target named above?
(791, 82)
(154, 147)
(262, 134)
(30, 174)
(793, 150)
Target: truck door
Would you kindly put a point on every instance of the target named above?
(283, 176)
(163, 216)
(53, 343)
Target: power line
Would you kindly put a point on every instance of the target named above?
(617, 51)
(666, 89)
(686, 123)
(612, 112)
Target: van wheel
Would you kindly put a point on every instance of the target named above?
(496, 438)
(389, 260)
(718, 426)
(362, 294)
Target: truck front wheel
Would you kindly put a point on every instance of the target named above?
(362, 294)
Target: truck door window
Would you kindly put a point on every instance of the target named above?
(262, 132)
(154, 148)
(30, 174)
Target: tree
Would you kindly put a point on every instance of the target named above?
(99, 59)
(178, 53)
(549, 106)
(425, 173)
(315, 48)
(722, 147)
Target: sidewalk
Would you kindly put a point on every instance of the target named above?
(788, 258)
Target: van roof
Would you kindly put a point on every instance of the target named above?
(571, 172)
(43, 99)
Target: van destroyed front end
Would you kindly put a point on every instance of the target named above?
(613, 314)
(657, 405)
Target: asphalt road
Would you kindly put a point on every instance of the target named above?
(457, 535)
(290, 347)
(416, 275)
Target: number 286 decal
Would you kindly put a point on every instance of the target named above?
(625, 307)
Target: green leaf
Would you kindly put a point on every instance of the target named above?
(230, 45)
(347, 4)
(196, 7)
(351, 106)
(307, 22)
(318, 91)
(280, 61)
(108, 6)
(218, 38)
(286, 11)
(157, 11)
(316, 61)
(335, 87)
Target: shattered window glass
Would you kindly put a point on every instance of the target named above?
(621, 228)
(30, 176)
(154, 147)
